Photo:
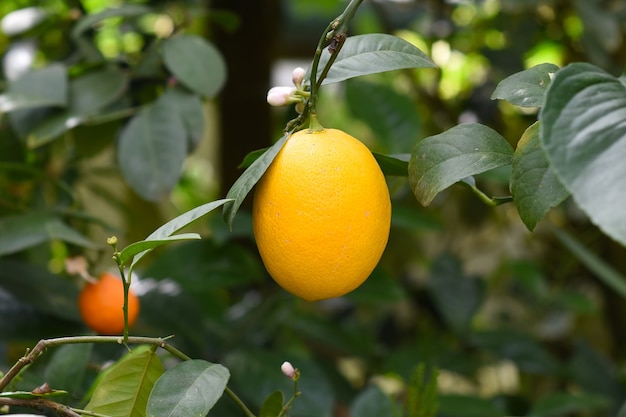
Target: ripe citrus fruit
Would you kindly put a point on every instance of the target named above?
(100, 305)
(321, 214)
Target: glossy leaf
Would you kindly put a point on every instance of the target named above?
(152, 149)
(526, 88)
(148, 245)
(371, 402)
(249, 178)
(444, 159)
(392, 116)
(165, 231)
(196, 63)
(273, 405)
(45, 87)
(393, 165)
(124, 390)
(22, 231)
(534, 185)
(584, 135)
(372, 54)
(189, 389)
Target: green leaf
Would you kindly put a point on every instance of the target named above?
(169, 228)
(526, 88)
(457, 296)
(583, 131)
(190, 109)
(565, 404)
(251, 157)
(444, 159)
(534, 185)
(152, 149)
(147, 245)
(453, 405)
(44, 87)
(196, 63)
(67, 367)
(189, 389)
(392, 116)
(273, 405)
(605, 272)
(372, 54)
(393, 165)
(89, 21)
(124, 390)
(371, 402)
(22, 231)
(249, 178)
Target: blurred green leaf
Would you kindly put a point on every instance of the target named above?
(566, 404)
(452, 405)
(191, 112)
(534, 185)
(273, 405)
(457, 296)
(601, 24)
(189, 389)
(379, 288)
(372, 54)
(371, 402)
(89, 21)
(249, 178)
(67, 367)
(444, 159)
(45, 87)
(152, 149)
(583, 131)
(125, 388)
(196, 63)
(392, 116)
(526, 88)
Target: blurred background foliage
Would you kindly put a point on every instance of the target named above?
(516, 323)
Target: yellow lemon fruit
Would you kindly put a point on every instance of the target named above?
(321, 214)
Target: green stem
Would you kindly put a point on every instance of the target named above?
(239, 403)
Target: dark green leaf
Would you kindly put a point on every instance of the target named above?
(392, 116)
(566, 404)
(251, 157)
(273, 405)
(372, 54)
(393, 165)
(90, 20)
(371, 402)
(249, 178)
(124, 390)
(602, 25)
(467, 406)
(191, 112)
(534, 186)
(44, 87)
(583, 131)
(196, 63)
(457, 296)
(526, 88)
(67, 367)
(166, 230)
(152, 149)
(21, 231)
(379, 288)
(444, 159)
(605, 272)
(189, 389)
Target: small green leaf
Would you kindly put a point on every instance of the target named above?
(371, 402)
(444, 159)
(534, 185)
(152, 149)
(251, 157)
(169, 228)
(45, 87)
(583, 129)
(147, 245)
(393, 165)
(189, 389)
(196, 63)
(273, 405)
(249, 178)
(124, 390)
(372, 54)
(526, 88)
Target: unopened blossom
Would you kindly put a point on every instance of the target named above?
(288, 370)
(281, 96)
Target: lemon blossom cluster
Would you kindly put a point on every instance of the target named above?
(286, 95)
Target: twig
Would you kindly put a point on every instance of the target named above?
(39, 404)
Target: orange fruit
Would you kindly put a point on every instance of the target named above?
(100, 305)
(321, 214)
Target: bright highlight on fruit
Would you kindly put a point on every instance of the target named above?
(100, 305)
(322, 214)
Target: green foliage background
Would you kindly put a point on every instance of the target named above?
(516, 322)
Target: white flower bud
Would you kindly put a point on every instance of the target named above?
(288, 370)
(280, 96)
(297, 76)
